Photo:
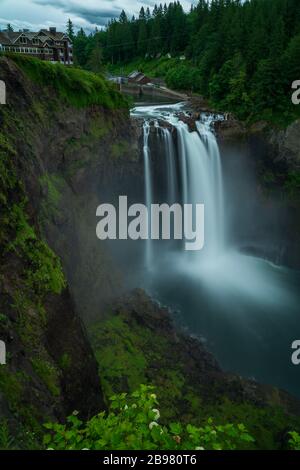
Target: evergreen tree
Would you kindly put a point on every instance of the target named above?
(70, 30)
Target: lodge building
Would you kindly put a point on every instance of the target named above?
(46, 44)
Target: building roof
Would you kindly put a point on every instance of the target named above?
(141, 77)
(134, 74)
(10, 37)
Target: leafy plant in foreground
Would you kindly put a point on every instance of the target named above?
(133, 423)
(294, 441)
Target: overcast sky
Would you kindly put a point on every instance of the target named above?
(37, 14)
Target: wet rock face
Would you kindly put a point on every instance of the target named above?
(68, 345)
(230, 129)
(51, 368)
(287, 144)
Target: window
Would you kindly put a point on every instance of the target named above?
(35, 41)
(23, 40)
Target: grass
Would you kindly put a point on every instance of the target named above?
(74, 86)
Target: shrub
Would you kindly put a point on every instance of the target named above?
(132, 423)
(294, 441)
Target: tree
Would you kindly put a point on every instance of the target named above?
(9, 28)
(80, 48)
(142, 38)
(70, 30)
(95, 61)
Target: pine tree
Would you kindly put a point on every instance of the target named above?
(70, 30)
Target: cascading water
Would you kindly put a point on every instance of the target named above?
(200, 177)
(245, 307)
(171, 165)
(148, 187)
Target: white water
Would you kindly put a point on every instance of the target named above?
(245, 307)
(200, 175)
(148, 187)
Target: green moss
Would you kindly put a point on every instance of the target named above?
(11, 386)
(74, 86)
(118, 361)
(65, 361)
(267, 424)
(100, 127)
(119, 149)
(53, 186)
(48, 374)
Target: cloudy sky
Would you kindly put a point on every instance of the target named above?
(36, 14)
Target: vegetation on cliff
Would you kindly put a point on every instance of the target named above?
(136, 344)
(29, 271)
(75, 87)
(42, 377)
(133, 423)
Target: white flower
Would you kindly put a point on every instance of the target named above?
(199, 448)
(85, 448)
(126, 407)
(153, 396)
(156, 414)
(152, 424)
(134, 405)
(50, 448)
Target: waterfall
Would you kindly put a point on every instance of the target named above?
(171, 165)
(201, 180)
(198, 174)
(148, 189)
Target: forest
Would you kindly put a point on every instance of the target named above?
(242, 56)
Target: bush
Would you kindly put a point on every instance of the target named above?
(294, 441)
(132, 423)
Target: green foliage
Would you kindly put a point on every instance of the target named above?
(6, 439)
(241, 56)
(118, 358)
(129, 353)
(11, 385)
(75, 87)
(52, 187)
(43, 272)
(183, 77)
(48, 373)
(132, 423)
(120, 149)
(294, 441)
(65, 361)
